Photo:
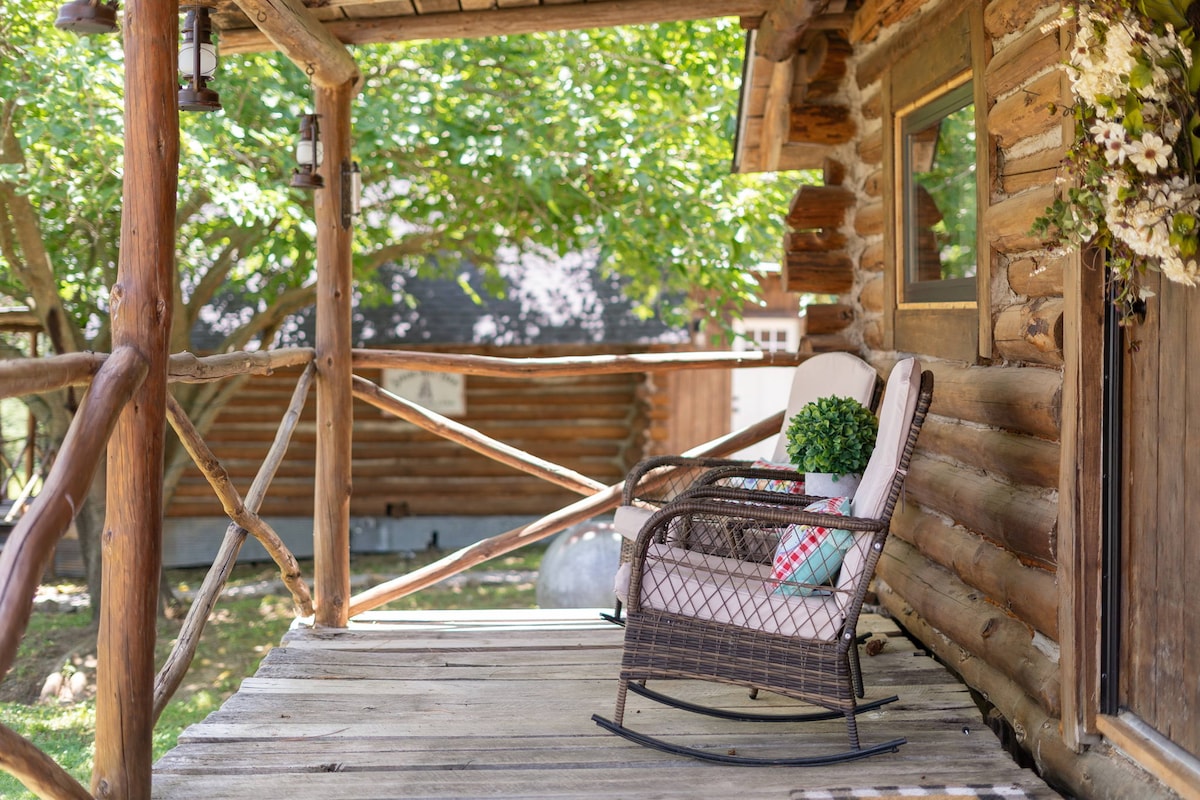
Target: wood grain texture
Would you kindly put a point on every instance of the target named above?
(972, 622)
(507, 21)
(335, 406)
(1028, 593)
(497, 704)
(141, 312)
(1016, 518)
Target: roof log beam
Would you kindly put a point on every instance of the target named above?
(289, 27)
(784, 24)
(475, 24)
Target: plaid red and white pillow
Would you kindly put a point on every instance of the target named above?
(807, 556)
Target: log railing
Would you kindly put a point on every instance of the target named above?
(32, 542)
(113, 380)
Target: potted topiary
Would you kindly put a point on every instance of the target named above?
(831, 440)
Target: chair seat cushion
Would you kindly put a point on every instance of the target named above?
(809, 555)
(730, 592)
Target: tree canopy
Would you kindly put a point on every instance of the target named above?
(613, 140)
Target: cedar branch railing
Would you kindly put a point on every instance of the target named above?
(114, 378)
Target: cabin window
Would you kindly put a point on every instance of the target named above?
(936, 186)
(938, 198)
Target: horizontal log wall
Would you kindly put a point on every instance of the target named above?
(598, 426)
(974, 551)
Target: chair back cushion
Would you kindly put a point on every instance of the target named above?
(895, 418)
(826, 375)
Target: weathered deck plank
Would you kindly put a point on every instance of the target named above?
(498, 704)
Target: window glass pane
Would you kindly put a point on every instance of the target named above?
(940, 212)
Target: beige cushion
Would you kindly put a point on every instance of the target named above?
(899, 404)
(825, 375)
(628, 520)
(895, 416)
(730, 592)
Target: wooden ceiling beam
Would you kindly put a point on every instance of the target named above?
(495, 22)
(289, 27)
(784, 24)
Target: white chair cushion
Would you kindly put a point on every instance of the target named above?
(825, 375)
(628, 520)
(899, 405)
(730, 592)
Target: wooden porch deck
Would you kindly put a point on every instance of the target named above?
(498, 704)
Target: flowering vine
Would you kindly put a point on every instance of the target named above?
(1135, 71)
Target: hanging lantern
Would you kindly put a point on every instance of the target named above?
(197, 62)
(87, 16)
(309, 154)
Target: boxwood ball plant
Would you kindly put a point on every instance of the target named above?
(832, 434)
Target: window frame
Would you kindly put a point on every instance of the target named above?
(920, 67)
(955, 96)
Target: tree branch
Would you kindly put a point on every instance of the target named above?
(239, 242)
(288, 302)
(22, 232)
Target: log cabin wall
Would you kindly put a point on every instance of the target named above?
(972, 567)
(598, 425)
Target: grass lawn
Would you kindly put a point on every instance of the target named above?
(239, 633)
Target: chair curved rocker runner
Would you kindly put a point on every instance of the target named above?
(703, 603)
(647, 488)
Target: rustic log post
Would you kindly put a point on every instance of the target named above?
(141, 318)
(335, 406)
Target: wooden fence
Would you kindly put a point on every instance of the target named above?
(114, 379)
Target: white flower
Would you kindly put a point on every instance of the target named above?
(1115, 151)
(1178, 270)
(1105, 131)
(1149, 154)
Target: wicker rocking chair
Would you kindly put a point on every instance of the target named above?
(704, 604)
(655, 481)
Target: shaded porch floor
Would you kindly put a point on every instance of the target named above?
(498, 704)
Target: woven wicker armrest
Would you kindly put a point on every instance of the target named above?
(658, 471)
